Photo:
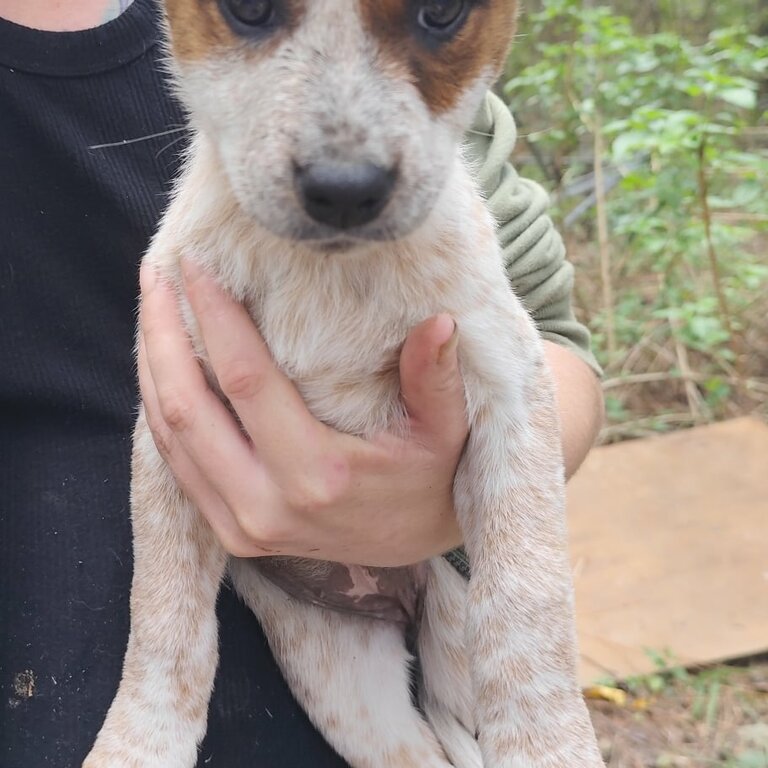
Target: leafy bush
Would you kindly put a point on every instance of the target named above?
(660, 142)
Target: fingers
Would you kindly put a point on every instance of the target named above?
(187, 474)
(194, 432)
(291, 443)
(431, 384)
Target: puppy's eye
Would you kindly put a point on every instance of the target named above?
(254, 13)
(441, 15)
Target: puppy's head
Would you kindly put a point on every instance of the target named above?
(337, 120)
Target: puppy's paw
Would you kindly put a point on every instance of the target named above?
(101, 757)
(135, 748)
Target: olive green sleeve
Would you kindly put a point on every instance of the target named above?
(534, 253)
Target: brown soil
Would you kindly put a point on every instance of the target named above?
(716, 717)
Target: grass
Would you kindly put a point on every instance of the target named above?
(680, 718)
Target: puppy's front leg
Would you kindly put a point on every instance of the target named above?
(509, 496)
(159, 714)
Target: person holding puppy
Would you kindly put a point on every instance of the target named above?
(87, 153)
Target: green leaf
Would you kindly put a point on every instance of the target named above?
(744, 98)
(627, 144)
(751, 758)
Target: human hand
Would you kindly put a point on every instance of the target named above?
(285, 483)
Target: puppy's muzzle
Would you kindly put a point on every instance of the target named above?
(344, 195)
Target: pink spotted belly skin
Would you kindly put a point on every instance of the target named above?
(388, 594)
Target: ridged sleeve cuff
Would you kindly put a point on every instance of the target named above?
(534, 252)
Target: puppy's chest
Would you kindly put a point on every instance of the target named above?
(341, 351)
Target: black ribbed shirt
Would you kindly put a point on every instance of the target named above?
(79, 200)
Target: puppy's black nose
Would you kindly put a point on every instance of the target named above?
(344, 195)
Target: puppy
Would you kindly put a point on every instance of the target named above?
(326, 190)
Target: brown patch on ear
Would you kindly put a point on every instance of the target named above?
(445, 71)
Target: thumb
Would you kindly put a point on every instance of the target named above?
(431, 384)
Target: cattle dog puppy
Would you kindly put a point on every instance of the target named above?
(326, 190)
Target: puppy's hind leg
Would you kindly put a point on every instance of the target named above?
(446, 693)
(349, 673)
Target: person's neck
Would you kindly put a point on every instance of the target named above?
(56, 15)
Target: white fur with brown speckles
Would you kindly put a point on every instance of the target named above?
(498, 656)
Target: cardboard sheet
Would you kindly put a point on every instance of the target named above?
(669, 539)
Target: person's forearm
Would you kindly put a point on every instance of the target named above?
(580, 404)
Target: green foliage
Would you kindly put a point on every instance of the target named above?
(679, 122)
(705, 684)
(751, 758)
(668, 672)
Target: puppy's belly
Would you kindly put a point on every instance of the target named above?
(389, 594)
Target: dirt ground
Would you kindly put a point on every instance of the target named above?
(714, 717)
